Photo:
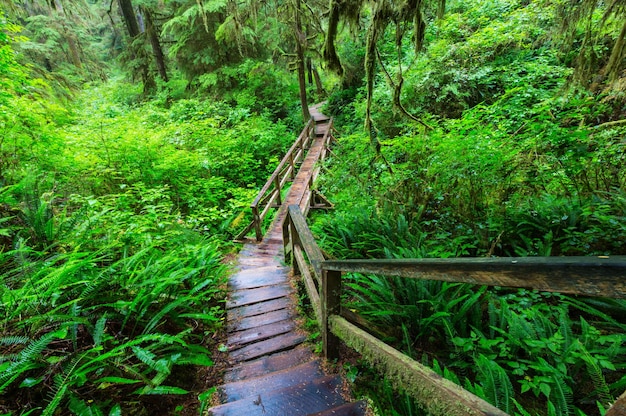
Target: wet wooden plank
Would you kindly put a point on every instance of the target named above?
(258, 277)
(299, 400)
(276, 380)
(258, 320)
(348, 409)
(259, 333)
(250, 296)
(239, 313)
(270, 346)
(268, 364)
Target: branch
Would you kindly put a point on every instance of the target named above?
(397, 91)
(611, 123)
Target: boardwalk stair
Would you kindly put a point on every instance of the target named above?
(272, 370)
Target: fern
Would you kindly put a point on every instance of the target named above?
(26, 359)
(495, 382)
(561, 396)
(14, 340)
(98, 331)
(595, 373)
(60, 389)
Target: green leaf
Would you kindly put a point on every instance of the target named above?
(116, 410)
(29, 381)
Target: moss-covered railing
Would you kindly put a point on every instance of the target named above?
(590, 276)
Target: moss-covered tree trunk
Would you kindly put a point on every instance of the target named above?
(130, 19)
(300, 38)
(617, 55)
(155, 43)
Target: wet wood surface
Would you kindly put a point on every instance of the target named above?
(590, 276)
(272, 370)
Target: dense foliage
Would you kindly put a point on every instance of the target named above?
(115, 219)
(513, 154)
(133, 134)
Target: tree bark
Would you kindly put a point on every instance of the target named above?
(157, 51)
(318, 83)
(617, 55)
(128, 13)
(130, 19)
(300, 58)
(330, 53)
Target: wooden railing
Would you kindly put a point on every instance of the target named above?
(269, 196)
(591, 276)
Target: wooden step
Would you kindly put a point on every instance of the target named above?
(348, 409)
(265, 318)
(277, 380)
(242, 338)
(300, 400)
(270, 346)
(258, 277)
(245, 311)
(251, 296)
(270, 363)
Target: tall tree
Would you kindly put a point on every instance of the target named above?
(135, 46)
(617, 9)
(300, 40)
(155, 43)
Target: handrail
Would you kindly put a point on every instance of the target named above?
(285, 171)
(592, 276)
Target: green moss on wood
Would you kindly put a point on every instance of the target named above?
(437, 395)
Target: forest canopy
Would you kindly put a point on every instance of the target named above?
(135, 133)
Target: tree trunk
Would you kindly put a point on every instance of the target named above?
(330, 53)
(128, 13)
(301, 64)
(617, 55)
(157, 51)
(318, 83)
(309, 70)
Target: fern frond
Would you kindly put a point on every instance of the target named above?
(25, 359)
(495, 382)
(98, 330)
(597, 377)
(61, 388)
(14, 340)
(561, 396)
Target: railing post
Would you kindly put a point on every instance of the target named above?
(277, 185)
(287, 247)
(331, 305)
(293, 166)
(295, 244)
(257, 223)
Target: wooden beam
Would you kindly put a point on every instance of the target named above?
(331, 305)
(436, 394)
(311, 289)
(307, 241)
(592, 276)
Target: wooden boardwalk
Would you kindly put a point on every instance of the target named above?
(272, 371)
